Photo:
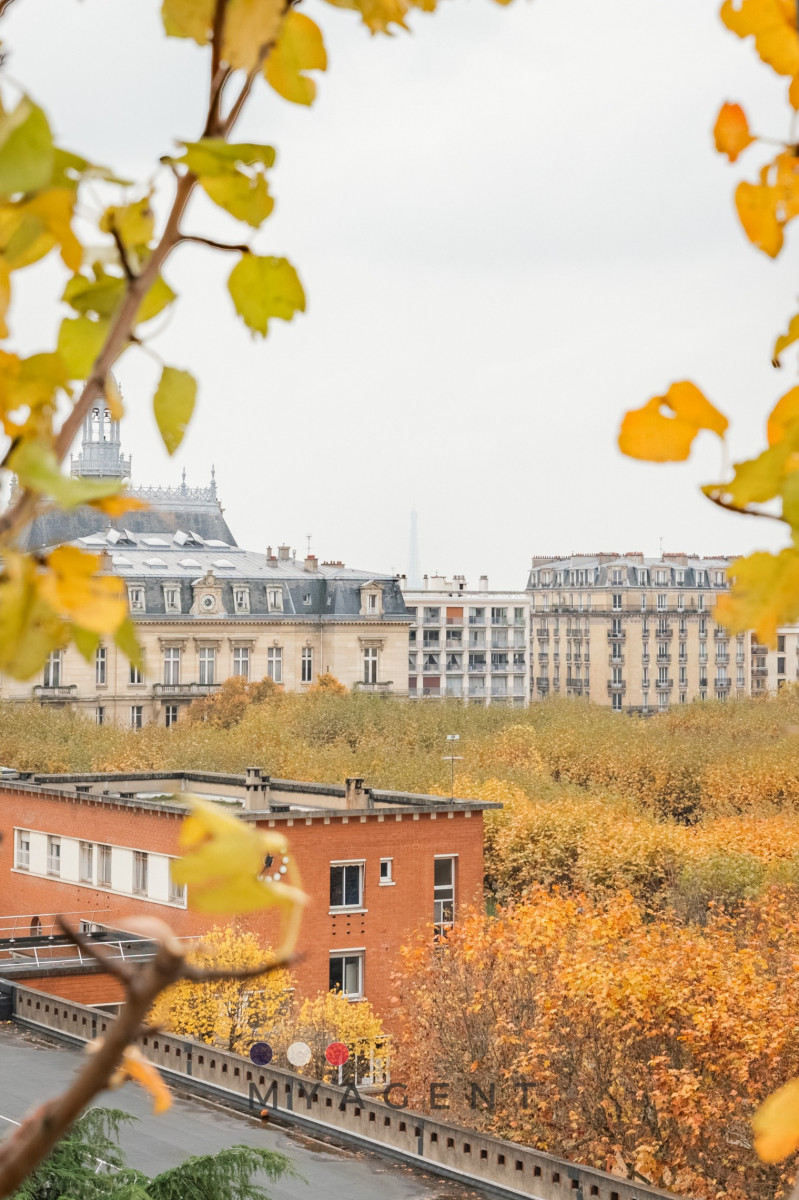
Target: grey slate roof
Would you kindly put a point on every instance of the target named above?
(330, 590)
(56, 527)
(598, 569)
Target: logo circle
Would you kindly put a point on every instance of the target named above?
(261, 1054)
(337, 1054)
(299, 1054)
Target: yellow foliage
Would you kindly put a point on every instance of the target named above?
(231, 1012)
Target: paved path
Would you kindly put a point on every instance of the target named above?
(31, 1070)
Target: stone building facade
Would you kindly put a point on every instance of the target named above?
(634, 633)
(205, 609)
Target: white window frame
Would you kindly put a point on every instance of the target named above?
(206, 661)
(387, 879)
(104, 855)
(172, 657)
(170, 715)
(306, 665)
(444, 894)
(140, 873)
(136, 601)
(274, 599)
(52, 669)
(172, 599)
(136, 716)
(22, 849)
(359, 955)
(54, 856)
(274, 663)
(241, 599)
(100, 666)
(371, 664)
(136, 676)
(241, 662)
(86, 862)
(359, 866)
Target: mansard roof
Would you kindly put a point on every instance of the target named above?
(185, 558)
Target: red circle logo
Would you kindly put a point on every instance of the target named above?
(337, 1054)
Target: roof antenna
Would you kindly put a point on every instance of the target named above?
(308, 539)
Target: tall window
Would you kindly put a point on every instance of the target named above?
(136, 675)
(241, 599)
(371, 603)
(99, 714)
(54, 856)
(346, 975)
(171, 715)
(241, 661)
(346, 885)
(307, 665)
(52, 670)
(136, 716)
(86, 861)
(662, 601)
(177, 891)
(274, 663)
(370, 664)
(207, 656)
(443, 894)
(100, 660)
(172, 665)
(616, 602)
(616, 702)
(663, 676)
(104, 866)
(22, 851)
(136, 599)
(274, 599)
(172, 599)
(140, 872)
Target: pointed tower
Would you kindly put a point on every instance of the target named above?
(101, 450)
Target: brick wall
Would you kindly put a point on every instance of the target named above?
(85, 989)
(411, 839)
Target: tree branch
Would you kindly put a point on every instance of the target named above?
(96, 950)
(204, 241)
(744, 512)
(205, 974)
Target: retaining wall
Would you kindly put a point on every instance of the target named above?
(504, 1168)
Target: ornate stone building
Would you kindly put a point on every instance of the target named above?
(633, 633)
(206, 609)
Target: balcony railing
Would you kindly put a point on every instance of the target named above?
(62, 692)
(617, 688)
(619, 636)
(455, 620)
(663, 684)
(185, 689)
(616, 660)
(378, 688)
(760, 672)
(664, 634)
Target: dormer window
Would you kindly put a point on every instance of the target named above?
(172, 599)
(241, 600)
(371, 603)
(274, 599)
(136, 599)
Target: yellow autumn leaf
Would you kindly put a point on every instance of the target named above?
(133, 223)
(29, 628)
(785, 414)
(763, 596)
(54, 208)
(119, 504)
(757, 210)
(72, 586)
(5, 297)
(188, 19)
(299, 48)
(251, 27)
(135, 1066)
(377, 15)
(224, 867)
(776, 1124)
(663, 430)
(772, 24)
(785, 340)
(731, 131)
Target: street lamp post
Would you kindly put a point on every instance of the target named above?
(452, 759)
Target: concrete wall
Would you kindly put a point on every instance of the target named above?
(450, 1150)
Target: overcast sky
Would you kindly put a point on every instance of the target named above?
(511, 226)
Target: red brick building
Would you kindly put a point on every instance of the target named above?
(376, 865)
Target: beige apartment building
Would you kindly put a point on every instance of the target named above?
(468, 645)
(633, 633)
(205, 609)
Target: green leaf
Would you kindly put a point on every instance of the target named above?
(80, 340)
(299, 48)
(212, 156)
(26, 149)
(157, 299)
(85, 641)
(69, 169)
(125, 639)
(244, 198)
(173, 404)
(757, 480)
(101, 296)
(133, 223)
(263, 288)
(36, 467)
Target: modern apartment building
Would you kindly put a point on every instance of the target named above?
(633, 633)
(468, 645)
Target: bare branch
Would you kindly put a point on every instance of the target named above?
(204, 241)
(4, 4)
(96, 950)
(744, 512)
(204, 974)
(130, 274)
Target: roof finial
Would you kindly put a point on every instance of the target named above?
(213, 480)
(184, 478)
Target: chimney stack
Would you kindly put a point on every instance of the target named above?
(483, 586)
(356, 795)
(256, 790)
(311, 562)
(283, 553)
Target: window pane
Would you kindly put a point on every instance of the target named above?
(352, 885)
(336, 974)
(336, 886)
(352, 982)
(443, 872)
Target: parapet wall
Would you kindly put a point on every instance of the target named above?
(504, 1168)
